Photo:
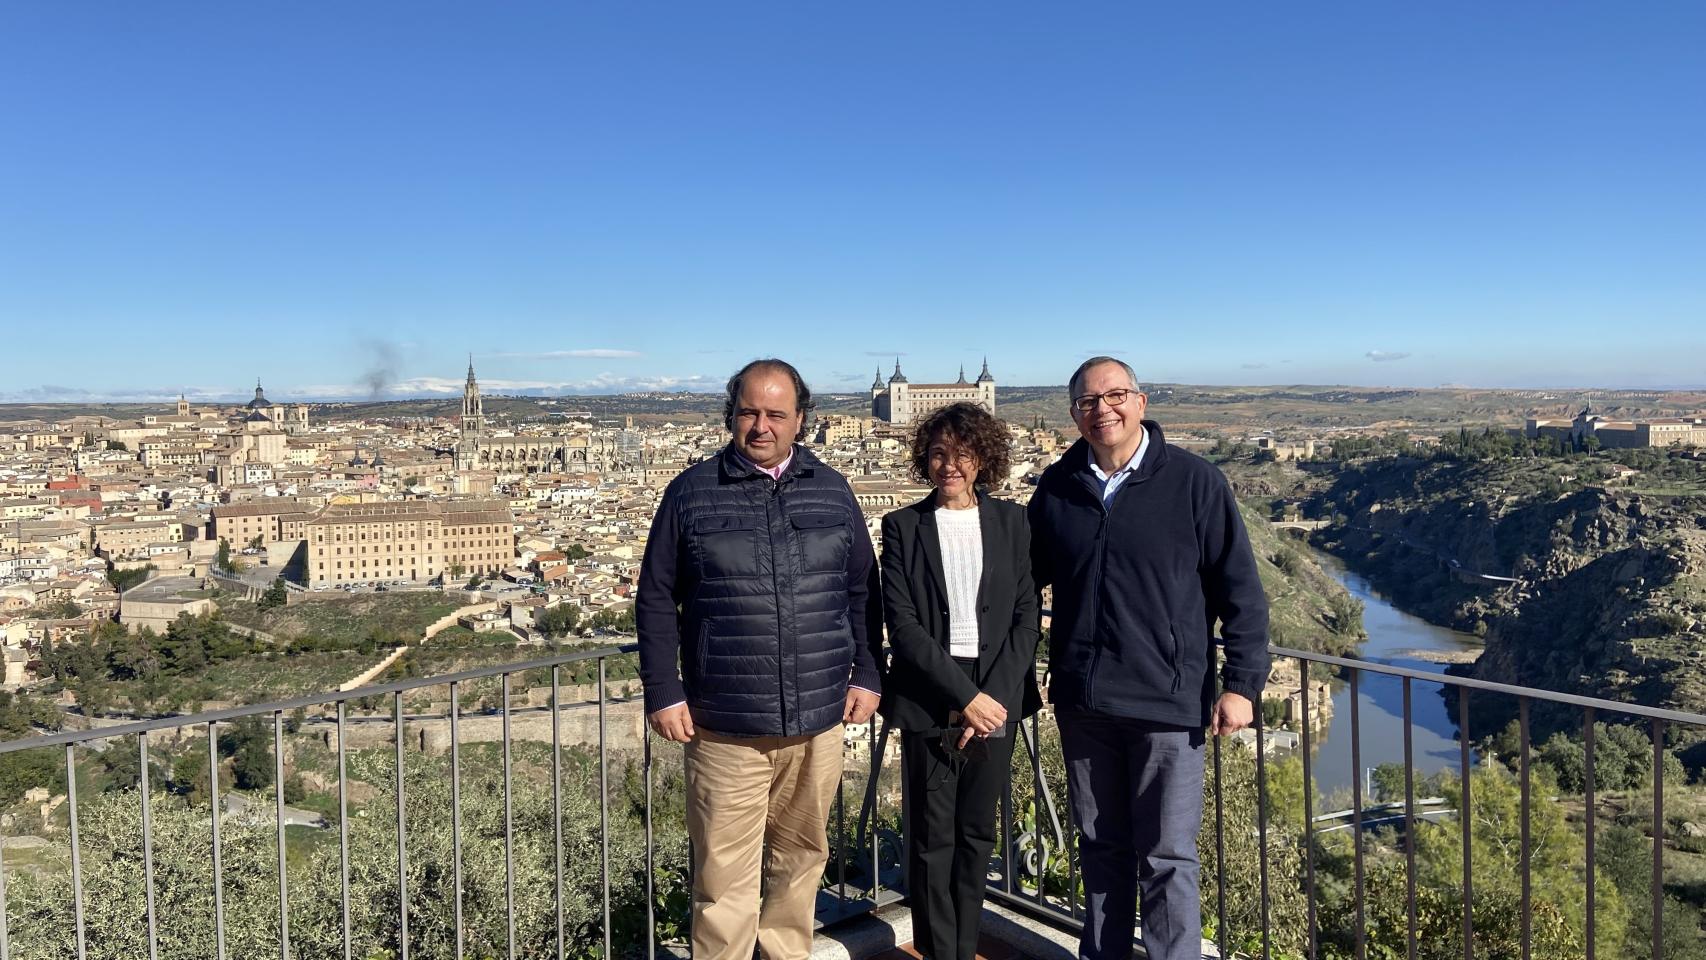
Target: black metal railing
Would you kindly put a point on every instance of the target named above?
(1350, 936)
(423, 910)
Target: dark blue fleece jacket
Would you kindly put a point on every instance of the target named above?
(1141, 584)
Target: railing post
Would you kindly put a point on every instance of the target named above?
(343, 834)
(278, 807)
(1308, 817)
(509, 833)
(604, 804)
(1527, 906)
(877, 765)
(557, 813)
(77, 856)
(1658, 839)
(1038, 798)
(402, 835)
(1356, 814)
(148, 847)
(5, 923)
(1219, 851)
(1592, 822)
(456, 811)
(1466, 819)
(651, 857)
(1262, 823)
(1409, 829)
(218, 868)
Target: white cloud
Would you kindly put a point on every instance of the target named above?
(587, 353)
(408, 387)
(1385, 356)
(54, 393)
(431, 387)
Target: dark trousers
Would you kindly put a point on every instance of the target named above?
(1136, 790)
(949, 806)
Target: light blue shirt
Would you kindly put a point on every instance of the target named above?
(1110, 484)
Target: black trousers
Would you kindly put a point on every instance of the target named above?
(949, 806)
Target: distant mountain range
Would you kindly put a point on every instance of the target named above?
(1295, 408)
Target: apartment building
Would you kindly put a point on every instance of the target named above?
(409, 540)
(271, 519)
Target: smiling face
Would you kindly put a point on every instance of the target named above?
(767, 417)
(953, 468)
(1110, 429)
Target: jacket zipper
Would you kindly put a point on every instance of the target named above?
(1103, 529)
(776, 591)
(1096, 605)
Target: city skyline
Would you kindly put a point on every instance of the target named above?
(602, 200)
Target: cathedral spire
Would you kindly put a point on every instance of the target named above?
(985, 376)
(898, 376)
(470, 368)
(962, 378)
(877, 384)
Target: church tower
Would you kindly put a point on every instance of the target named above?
(985, 387)
(473, 412)
(900, 405)
(473, 422)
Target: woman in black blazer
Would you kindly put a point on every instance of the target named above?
(962, 621)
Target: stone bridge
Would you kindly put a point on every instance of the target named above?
(1304, 526)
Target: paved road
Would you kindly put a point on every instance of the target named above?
(236, 804)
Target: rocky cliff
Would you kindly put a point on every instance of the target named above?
(1609, 591)
(1307, 608)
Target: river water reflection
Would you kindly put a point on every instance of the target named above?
(1392, 637)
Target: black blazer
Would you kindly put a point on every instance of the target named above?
(924, 683)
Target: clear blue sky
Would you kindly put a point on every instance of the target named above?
(600, 196)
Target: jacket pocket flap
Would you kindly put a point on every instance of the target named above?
(724, 524)
(818, 521)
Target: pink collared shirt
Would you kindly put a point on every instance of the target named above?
(775, 473)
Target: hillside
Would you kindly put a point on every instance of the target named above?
(1307, 608)
(1610, 592)
(1182, 408)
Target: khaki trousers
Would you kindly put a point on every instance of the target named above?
(757, 808)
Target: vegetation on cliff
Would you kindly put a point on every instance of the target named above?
(1607, 580)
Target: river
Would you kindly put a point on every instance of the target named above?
(1392, 636)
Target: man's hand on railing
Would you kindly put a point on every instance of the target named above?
(1232, 713)
(673, 723)
(984, 714)
(860, 705)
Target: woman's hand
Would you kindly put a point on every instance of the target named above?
(983, 714)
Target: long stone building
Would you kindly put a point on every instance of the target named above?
(273, 519)
(1619, 434)
(903, 403)
(409, 540)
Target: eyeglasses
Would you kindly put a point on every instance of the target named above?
(961, 457)
(1113, 398)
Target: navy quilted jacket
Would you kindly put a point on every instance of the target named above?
(756, 600)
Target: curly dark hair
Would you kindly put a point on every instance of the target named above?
(802, 393)
(971, 427)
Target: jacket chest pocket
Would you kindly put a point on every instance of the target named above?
(824, 540)
(725, 547)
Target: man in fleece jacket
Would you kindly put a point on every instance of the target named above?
(1147, 554)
